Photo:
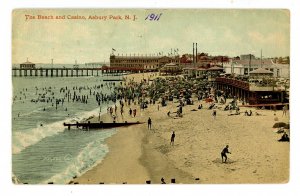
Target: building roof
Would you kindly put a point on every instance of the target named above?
(215, 68)
(201, 69)
(27, 63)
(189, 68)
(260, 71)
(143, 57)
(170, 64)
(254, 62)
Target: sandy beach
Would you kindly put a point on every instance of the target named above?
(137, 154)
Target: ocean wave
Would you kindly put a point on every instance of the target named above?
(88, 157)
(25, 138)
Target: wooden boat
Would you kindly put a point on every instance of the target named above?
(101, 125)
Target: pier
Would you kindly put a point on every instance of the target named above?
(71, 72)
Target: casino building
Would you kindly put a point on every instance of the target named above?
(142, 62)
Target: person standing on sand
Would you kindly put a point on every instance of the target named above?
(214, 113)
(172, 138)
(149, 123)
(284, 109)
(224, 152)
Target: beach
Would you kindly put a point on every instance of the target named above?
(138, 154)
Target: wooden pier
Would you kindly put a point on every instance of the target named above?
(71, 72)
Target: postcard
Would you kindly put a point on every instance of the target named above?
(150, 96)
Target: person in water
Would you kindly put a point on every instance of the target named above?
(224, 152)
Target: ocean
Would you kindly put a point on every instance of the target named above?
(43, 149)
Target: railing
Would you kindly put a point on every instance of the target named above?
(249, 86)
(233, 82)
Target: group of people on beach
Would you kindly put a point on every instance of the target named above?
(134, 91)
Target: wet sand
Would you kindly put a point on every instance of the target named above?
(137, 154)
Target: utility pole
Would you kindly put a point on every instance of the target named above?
(193, 53)
(260, 58)
(196, 53)
(249, 64)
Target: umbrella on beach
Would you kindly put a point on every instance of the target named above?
(208, 100)
(281, 124)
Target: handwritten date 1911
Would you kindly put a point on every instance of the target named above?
(153, 17)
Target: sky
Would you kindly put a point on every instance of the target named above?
(217, 32)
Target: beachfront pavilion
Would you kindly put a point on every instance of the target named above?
(195, 72)
(262, 91)
(202, 72)
(170, 69)
(261, 73)
(214, 72)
